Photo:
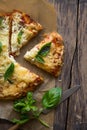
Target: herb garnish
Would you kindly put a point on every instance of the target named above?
(43, 52)
(39, 59)
(27, 104)
(51, 98)
(9, 72)
(19, 36)
(0, 47)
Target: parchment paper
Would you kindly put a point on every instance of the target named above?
(45, 14)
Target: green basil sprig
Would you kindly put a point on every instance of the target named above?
(0, 47)
(51, 98)
(43, 52)
(27, 104)
(9, 72)
(19, 36)
(45, 49)
(38, 58)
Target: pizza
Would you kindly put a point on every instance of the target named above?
(15, 80)
(23, 29)
(48, 54)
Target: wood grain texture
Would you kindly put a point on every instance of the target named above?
(67, 27)
(72, 25)
(77, 115)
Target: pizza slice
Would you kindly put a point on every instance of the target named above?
(23, 29)
(15, 80)
(48, 54)
(4, 34)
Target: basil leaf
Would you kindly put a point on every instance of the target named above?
(1, 19)
(0, 47)
(9, 71)
(42, 53)
(19, 36)
(39, 59)
(19, 121)
(44, 50)
(29, 98)
(18, 106)
(23, 119)
(26, 104)
(51, 98)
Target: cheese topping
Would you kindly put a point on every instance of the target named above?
(55, 56)
(29, 30)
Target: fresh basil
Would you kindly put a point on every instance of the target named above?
(39, 59)
(1, 19)
(23, 119)
(26, 104)
(20, 121)
(19, 36)
(9, 71)
(43, 52)
(51, 98)
(0, 47)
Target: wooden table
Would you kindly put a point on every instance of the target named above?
(72, 25)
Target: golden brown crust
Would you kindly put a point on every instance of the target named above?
(25, 17)
(58, 41)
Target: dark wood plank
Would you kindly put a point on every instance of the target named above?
(77, 116)
(67, 21)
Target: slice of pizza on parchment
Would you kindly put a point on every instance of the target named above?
(48, 54)
(15, 80)
(23, 29)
